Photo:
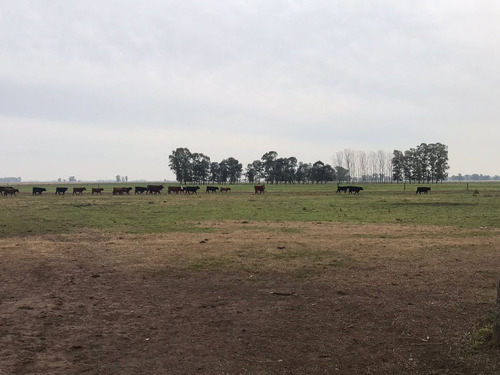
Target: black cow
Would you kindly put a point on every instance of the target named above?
(421, 190)
(342, 189)
(38, 191)
(61, 190)
(355, 189)
(191, 189)
(212, 189)
(140, 190)
(2, 189)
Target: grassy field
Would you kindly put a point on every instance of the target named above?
(299, 280)
(446, 204)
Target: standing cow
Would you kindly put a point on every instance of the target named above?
(191, 189)
(38, 191)
(140, 190)
(61, 190)
(355, 189)
(212, 189)
(260, 189)
(2, 189)
(11, 191)
(421, 190)
(78, 190)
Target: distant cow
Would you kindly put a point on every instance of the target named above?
(97, 190)
(342, 189)
(61, 190)
(259, 189)
(421, 190)
(175, 189)
(355, 189)
(2, 189)
(38, 191)
(212, 189)
(154, 189)
(78, 190)
(9, 190)
(224, 189)
(140, 190)
(121, 190)
(191, 190)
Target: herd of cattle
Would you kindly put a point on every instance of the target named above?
(157, 189)
(150, 189)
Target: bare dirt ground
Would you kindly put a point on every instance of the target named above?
(251, 298)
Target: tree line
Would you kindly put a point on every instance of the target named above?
(474, 177)
(425, 163)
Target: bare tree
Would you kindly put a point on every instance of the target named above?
(349, 161)
(363, 164)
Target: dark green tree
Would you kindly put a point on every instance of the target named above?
(234, 169)
(398, 163)
(303, 173)
(269, 166)
(200, 166)
(180, 164)
(254, 171)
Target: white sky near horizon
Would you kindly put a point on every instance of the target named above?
(95, 89)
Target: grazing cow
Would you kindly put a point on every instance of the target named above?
(78, 191)
(259, 189)
(155, 189)
(175, 189)
(224, 189)
(342, 189)
(121, 190)
(9, 190)
(140, 190)
(2, 189)
(61, 190)
(421, 190)
(38, 191)
(97, 190)
(191, 189)
(355, 189)
(212, 189)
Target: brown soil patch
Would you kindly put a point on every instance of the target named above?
(250, 298)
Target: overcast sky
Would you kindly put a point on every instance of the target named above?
(99, 88)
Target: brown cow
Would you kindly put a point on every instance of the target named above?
(259, 189)
(97, 190)
(224, 189)
(121, 190)
(78, 190)
(154, 189)
(9, 190)
(175, 189)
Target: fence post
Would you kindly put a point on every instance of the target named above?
(496, 324)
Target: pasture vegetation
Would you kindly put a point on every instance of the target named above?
(446, 205)
(414, 296)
